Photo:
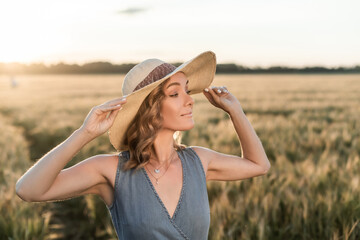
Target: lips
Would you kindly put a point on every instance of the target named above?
(187, 114)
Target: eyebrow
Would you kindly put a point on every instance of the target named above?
(175, 83)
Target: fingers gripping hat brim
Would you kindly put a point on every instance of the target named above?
(200, 72)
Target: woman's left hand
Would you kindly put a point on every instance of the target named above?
(220, 97)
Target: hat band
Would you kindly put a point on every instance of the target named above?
(158, 73)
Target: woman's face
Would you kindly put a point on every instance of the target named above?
(176, 107)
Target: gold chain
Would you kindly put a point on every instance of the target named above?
(157, 179)
(156, 169)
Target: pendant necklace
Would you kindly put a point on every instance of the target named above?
(157, 169)
(157, 179)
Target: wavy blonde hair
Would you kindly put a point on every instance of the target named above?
(140, 136)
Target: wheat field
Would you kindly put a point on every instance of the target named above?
(309, 126)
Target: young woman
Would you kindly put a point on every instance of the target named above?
(155, 188)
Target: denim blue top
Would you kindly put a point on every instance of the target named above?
(137, 211)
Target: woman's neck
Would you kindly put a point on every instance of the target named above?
(164, 148)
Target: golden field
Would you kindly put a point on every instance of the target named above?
(309, 126)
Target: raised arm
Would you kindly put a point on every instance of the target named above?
(46, 180)
(254, 161)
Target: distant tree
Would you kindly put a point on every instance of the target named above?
(109, 68)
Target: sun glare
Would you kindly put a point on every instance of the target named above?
(28, 33)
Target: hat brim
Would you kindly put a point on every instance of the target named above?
(200, 72)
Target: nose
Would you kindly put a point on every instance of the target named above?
(189, 100)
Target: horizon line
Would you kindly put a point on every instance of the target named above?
(220, 63)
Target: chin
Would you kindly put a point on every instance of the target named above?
(187, 127)
(180, 125)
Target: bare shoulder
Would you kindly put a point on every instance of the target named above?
(224, 167)
(203, 154)
(216, 163)
(206, 154)
(201, 151)
(107, 166)
(102, 165)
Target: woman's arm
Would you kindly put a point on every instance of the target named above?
(254, 161)
(46, 180)
(251, 146)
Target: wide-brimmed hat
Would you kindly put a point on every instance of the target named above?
(146, 76)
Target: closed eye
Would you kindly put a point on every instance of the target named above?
(176, 94)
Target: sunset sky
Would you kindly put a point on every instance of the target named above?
(251, 33)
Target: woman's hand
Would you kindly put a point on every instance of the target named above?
(101, 117)
(220, 97)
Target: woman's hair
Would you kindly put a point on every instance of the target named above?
(143, 129)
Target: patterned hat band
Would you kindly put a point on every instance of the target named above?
(158, 73)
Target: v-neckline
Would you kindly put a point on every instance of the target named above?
(181, 192)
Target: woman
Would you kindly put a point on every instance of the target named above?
(155, 188)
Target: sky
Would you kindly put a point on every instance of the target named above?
(255, 33)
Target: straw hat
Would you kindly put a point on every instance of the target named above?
(146, 76)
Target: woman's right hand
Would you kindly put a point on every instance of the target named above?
(101, 117)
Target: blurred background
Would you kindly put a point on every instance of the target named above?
(293, 65)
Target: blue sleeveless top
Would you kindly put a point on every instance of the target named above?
(137, 211)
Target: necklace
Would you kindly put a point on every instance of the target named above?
(157, 169)
(157, 179)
